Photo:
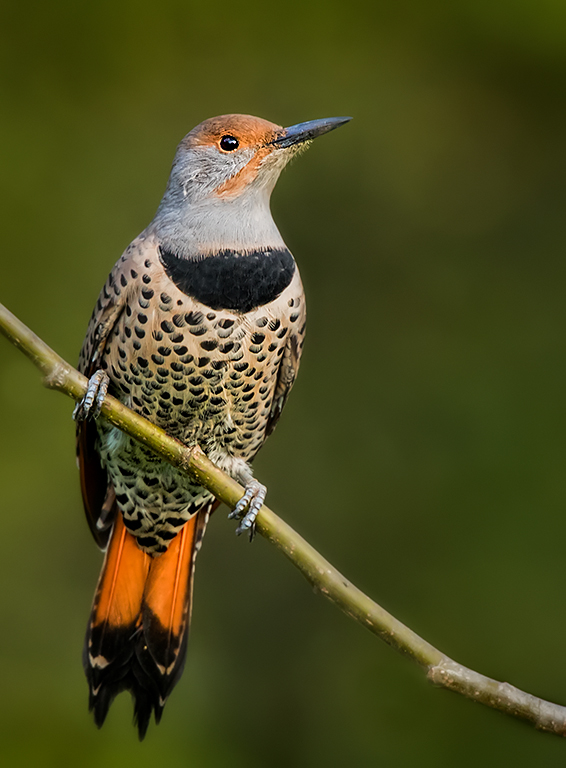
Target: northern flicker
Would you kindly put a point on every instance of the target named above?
(199, 328)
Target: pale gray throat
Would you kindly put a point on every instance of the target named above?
(209, 226)
(192, 219)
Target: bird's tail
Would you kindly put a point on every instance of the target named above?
(137, 633)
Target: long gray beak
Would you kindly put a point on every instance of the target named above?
(307, 131)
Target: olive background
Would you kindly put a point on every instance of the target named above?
(422, 450)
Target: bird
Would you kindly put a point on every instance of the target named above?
(199, 328)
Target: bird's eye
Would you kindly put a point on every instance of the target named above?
(229, 143)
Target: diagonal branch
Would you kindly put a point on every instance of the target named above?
(441, 670)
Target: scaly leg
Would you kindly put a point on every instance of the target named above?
(89, 407)
(252, 500)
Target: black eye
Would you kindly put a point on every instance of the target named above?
(229, 143)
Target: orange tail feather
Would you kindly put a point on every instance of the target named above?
(137, 635)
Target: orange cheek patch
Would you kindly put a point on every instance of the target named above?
(244, 177)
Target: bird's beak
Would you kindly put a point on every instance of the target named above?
(296, 134)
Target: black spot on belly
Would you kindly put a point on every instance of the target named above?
(147, 541)
(232, 280)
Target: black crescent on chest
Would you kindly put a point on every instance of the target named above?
(231, 280)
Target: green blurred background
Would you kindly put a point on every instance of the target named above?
(423, 447)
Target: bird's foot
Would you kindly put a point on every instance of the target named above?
(252, 501)
(89, 407)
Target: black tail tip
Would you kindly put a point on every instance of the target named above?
(141, 721)
(99, 705)
(142, 716)
(146, 702)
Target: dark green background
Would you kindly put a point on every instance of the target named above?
(423, 449)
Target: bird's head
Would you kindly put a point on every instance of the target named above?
(224, 172)
(231, 155)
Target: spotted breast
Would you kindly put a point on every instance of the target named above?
(207, 373)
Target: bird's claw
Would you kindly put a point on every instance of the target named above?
(252, 501)
(89, 407)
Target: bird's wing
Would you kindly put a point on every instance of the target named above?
(287, 369)
(98, 496)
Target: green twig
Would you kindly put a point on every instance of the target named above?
(441, 670)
